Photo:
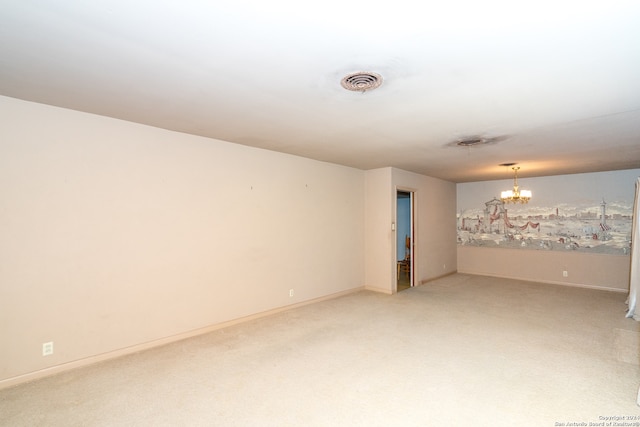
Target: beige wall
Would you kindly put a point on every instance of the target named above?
(435, 227)
(379, 237)
(114, 234)
(609, 272)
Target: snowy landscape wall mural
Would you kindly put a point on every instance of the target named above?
(583, 212)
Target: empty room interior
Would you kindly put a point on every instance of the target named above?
(260, 213)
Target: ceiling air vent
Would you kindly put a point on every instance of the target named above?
(361, 81)
(471, 141)
(475, 140)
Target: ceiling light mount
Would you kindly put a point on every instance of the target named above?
(361, 81)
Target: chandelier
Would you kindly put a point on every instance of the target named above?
(516, 195)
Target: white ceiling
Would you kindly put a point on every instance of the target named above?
(557, 82)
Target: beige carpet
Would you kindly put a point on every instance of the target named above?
(459, 351)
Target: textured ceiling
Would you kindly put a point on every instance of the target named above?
(554, 85)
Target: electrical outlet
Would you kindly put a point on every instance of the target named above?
(290, 292)
(47, 348)
(565, 273)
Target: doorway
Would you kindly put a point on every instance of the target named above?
(404, 240)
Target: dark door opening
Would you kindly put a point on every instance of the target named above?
(404, 240)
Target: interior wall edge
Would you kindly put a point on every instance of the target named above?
(431, 279)
(379, 290)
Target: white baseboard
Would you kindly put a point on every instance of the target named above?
(549, 282)
(42, 373)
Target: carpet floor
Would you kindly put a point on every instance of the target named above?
(461, 350)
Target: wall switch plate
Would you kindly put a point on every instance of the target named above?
(290, 292)
(565, 273)
(47, 348)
